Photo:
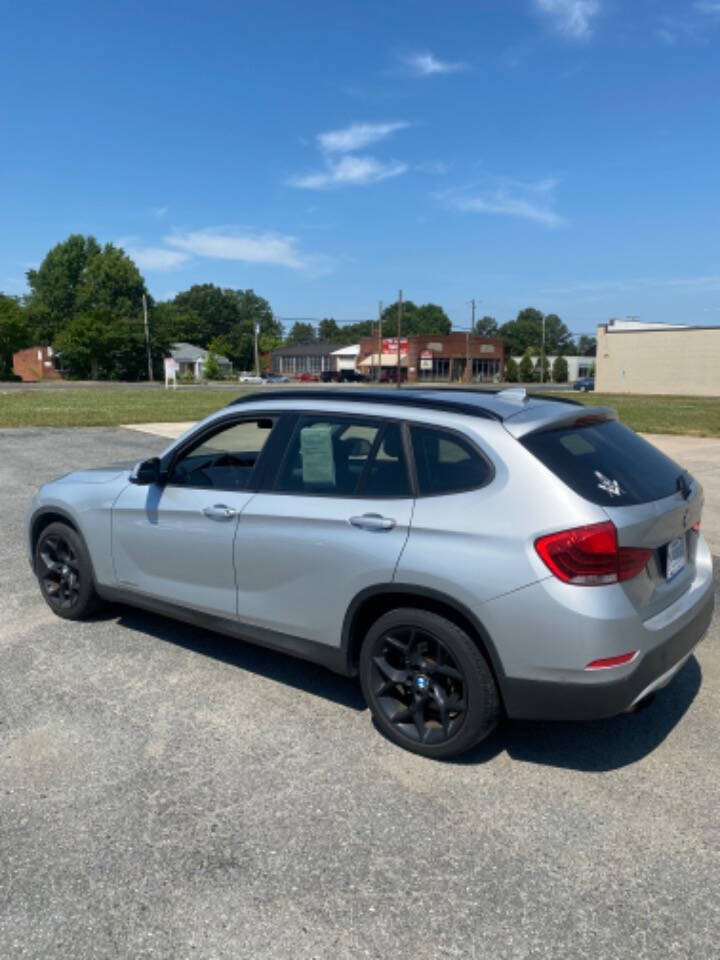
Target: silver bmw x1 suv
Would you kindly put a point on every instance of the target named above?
(469, 555)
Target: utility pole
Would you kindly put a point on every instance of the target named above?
(399, 333)
(542, 353)
(467, 355)
(379, 342)
(147, 339)
(256, 330)
(472, 325)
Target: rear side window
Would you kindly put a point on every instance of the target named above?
(606, 463)
(339, 457)
(446, 462)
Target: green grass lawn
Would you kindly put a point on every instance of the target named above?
(110, 406)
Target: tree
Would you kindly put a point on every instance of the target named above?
(511, 370)
(300, 332)
(80, 278)
(213, 370)
(14, 333)
(486, 327)
(329, 331)
(177, 325)
(526, 369)
(542, 366)
(526, 331)
(560, 370)
(586, 346)
(52, 301)
(426, 320)
(227, 318)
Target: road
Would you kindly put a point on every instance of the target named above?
(168, 793)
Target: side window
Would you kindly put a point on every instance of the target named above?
(341, 457)
(446, 463)
(226, 460)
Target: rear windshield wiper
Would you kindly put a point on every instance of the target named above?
(683, 486)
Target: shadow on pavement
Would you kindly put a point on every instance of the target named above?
(600, 745)
(594, 746)
(247, 656)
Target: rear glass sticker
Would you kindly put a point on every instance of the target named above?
(611, 487)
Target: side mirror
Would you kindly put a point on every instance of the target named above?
(146, 472)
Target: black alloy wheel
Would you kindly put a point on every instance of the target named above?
(427, 683)
(418, 685)
(59, 572)
(64, 572)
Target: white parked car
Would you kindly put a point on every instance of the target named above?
(246, 377)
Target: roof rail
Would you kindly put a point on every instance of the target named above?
(403, 398)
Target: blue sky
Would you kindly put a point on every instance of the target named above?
(559, 153)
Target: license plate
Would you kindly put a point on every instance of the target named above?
(675, 557)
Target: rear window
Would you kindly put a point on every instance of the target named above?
(606, 463)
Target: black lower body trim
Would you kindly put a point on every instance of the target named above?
(595, 700)
(334, 658)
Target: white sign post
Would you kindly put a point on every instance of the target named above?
(171, 368)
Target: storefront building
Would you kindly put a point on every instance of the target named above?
(454, 357)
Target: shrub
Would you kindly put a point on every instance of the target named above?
(560, 370)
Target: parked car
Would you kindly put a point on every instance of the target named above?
(585, 384)
(307, 378)
(469, 555)
(352, 376)
(329, 376)
(246, 377)
(275, 378)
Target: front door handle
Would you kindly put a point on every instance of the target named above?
(372, 521)
(220, 512)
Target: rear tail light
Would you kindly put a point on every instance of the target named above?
(590, 556)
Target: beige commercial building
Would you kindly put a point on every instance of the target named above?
(635, 357)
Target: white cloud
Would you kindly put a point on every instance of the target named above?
(229, 243)
(528, 201)
(156, 258)
(426, 64)
(160, 212)
(573, 18)
(349, 170)
(708, 6)
(357, 136)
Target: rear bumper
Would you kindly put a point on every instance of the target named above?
(599, 696)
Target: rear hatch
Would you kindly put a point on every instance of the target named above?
(652, 501)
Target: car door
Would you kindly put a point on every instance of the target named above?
(175, 541)
(333, 522)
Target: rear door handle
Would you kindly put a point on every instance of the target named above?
(372, 521)
(220, 512)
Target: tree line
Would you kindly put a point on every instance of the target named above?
(86, 301)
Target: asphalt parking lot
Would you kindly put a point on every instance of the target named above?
(169, 793)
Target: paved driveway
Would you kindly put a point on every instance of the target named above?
(168, 793)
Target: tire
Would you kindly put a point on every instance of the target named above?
(415, 667)
(64, 572)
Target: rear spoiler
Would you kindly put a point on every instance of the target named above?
(554, 416)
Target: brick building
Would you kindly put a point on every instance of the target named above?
(450, 358)
(35, 363)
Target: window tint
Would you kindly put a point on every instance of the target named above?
(606, 463)
(446, 463)
(342, 458)
(226, 460)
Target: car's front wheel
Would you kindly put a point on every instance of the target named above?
(428, 685)
(64, 572)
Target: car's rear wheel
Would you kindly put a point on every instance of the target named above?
(64, 572)
(428, 685)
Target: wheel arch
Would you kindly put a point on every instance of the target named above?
(373, 602)
(43, 518)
